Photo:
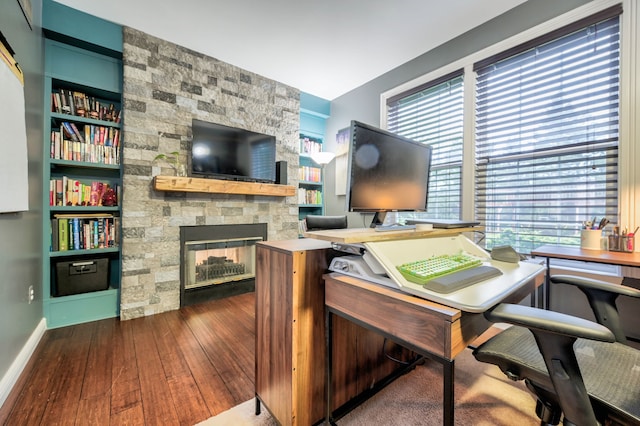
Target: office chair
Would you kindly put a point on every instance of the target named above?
(320, 222)
(594, 375)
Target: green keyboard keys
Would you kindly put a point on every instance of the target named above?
(422, 271)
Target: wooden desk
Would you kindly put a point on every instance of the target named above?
(364, 235)
(577, 253)
(427, 328)
(290, 376)
(597, 256)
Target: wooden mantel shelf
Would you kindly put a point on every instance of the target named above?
(218, 186)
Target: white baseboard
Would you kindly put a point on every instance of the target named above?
(18, 365)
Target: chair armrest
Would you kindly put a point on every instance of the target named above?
(588, 283)
(602, 299)
(549, 321)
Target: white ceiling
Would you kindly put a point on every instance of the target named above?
(322, 47)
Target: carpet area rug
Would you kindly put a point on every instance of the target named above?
(483, 397)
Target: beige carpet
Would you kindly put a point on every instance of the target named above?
(483, 396)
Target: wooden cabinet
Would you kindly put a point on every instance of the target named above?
(290, 336)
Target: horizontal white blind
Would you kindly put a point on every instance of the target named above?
(547, 138)
(433, 114)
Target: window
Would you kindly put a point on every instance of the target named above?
(433, 114)
(546, 135)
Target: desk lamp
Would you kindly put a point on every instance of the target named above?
(322, 158)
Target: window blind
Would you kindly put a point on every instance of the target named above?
(433, 114)
(547, 138)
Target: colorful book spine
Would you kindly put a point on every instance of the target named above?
(55, 244)
(63, 239)
(76, 234)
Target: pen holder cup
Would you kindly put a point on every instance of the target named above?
(590, 239)
(624, 243)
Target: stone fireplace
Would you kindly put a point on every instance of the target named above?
(166, 86)
(218, 261)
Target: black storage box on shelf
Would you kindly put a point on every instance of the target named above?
(81, 276)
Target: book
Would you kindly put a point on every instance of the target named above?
(116, 231)
(52, 192)
(68, 131)
(74, 192)
(64, 106)
(55, 106)
(63, 239)
(72, 108)
(54, 227)
(101, 242)
(76, 131)
(96, 237)
(59, 192)
(76, 233)
(94, 197)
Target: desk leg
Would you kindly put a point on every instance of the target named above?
(448, 371)
(543, 299)
(547, 286)
(329, 368)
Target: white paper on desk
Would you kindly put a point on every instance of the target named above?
(14, 173)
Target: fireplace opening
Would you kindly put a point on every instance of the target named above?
(218, 261)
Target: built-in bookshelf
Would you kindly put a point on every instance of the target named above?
(310, 183)
(314, 113)
(82, 208)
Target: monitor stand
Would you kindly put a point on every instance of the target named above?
(378, 219)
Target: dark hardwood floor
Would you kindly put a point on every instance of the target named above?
(174, 368)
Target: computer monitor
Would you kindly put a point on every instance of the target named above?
(386, 172)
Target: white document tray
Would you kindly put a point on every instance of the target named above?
(474, 298)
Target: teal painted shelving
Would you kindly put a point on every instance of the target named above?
(75, 67)
(314, 112)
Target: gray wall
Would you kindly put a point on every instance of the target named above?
(363, 103)
(20, 233)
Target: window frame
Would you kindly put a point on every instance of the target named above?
(447, 84)
(626, 199)
(630, 47)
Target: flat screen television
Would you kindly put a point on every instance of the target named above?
(386, 172)
(224, 152)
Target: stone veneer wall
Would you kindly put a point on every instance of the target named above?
(165, 86)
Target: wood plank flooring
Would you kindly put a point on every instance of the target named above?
(174, 368)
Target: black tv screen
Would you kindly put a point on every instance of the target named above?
(386, 172)
(231, 153)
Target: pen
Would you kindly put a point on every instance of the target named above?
(603, 222)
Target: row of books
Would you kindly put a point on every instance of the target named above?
(71, 192)
(84, 232)
(309, 196)
(64, 149)
(310, 174)
(309, 146)
(64, 101)
(97, 135)
(302, 226)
